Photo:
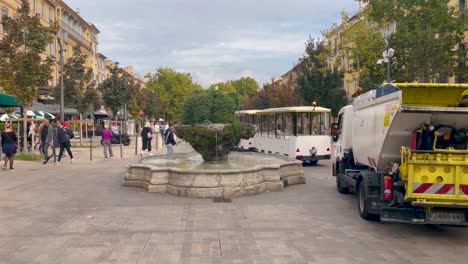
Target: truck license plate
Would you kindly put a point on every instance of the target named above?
(443, 217)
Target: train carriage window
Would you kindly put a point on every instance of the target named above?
(279, 131)
(299, 124)
(325, 123)
(306, 123)
(315, 123)
(258, 119)
(271, 125)
(288, 123)
(265, 125)
(252, 120)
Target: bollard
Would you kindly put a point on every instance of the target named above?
(91, 148)
(120, 136)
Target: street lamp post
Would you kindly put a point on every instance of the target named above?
(387, 34)
(62, 40)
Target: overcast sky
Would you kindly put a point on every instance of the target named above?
(214, 40)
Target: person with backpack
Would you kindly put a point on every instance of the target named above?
(170, 140)
(9, 145)
(47, 138)
(146, 137)
(64, 136)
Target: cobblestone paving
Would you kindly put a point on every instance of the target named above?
(80, 213)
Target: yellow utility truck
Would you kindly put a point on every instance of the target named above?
(403, 148)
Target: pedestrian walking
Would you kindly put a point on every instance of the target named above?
(106, 142)
(31, 135)
(9, 145)
(162, 130)
(47, 138)
(170, 140)
(64, 136)
(146, 137)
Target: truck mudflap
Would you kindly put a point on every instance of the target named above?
(437, 178)
(421, 215)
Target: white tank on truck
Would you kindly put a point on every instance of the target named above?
(404, 149)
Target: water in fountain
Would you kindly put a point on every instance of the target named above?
(194, 161)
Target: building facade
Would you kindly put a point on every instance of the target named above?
(74, 31)
(342, 61)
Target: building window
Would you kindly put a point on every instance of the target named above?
(43, 11)
(51, 14)
(463, 61)
(462, 4)
(52, 49)
(35, 6)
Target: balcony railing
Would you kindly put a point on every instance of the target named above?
(75, 34)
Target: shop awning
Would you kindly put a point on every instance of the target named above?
(8, 101)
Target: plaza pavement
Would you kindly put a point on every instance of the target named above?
(80, 213)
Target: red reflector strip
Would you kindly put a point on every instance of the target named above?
(445, 189)
(464, 189)
(423, 188)
(432, 188)
(298, 150)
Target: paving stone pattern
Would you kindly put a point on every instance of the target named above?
(81, 213)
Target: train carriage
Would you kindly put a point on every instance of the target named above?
(300, 132)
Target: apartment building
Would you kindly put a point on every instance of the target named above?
(74, 31)
(341, 60)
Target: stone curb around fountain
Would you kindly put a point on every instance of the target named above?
(216, 183)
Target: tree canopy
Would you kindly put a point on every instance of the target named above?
(365, 47)
(210, 106)
(426, 35)
(174, 88)
(22, 67)
(78, 86)
(116, 91)
(319, 83)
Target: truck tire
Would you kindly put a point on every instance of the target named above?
(363, 204)
(339, 185)
(339, 181)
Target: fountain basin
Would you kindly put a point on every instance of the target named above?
(187, 175)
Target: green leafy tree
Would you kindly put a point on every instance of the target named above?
(225, 87)
(155, 104)
(427, 32)
(210, 106)
(21, 49)
(174, 88)
(116, 91)
(245, 86)
(318, 83)
(79, 90)
(365, 47)
(24, 66)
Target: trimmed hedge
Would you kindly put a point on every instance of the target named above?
(214, 107)
(214, 142)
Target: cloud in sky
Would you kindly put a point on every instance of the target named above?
(214, 40)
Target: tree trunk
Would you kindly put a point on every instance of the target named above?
(25, 134)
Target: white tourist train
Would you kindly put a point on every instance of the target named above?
(301, 132)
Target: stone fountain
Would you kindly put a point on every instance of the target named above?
(212, 171)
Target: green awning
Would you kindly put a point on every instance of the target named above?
(8, 101)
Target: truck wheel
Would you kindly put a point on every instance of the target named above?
(339, 185)
(339, 170)
(363, 204)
